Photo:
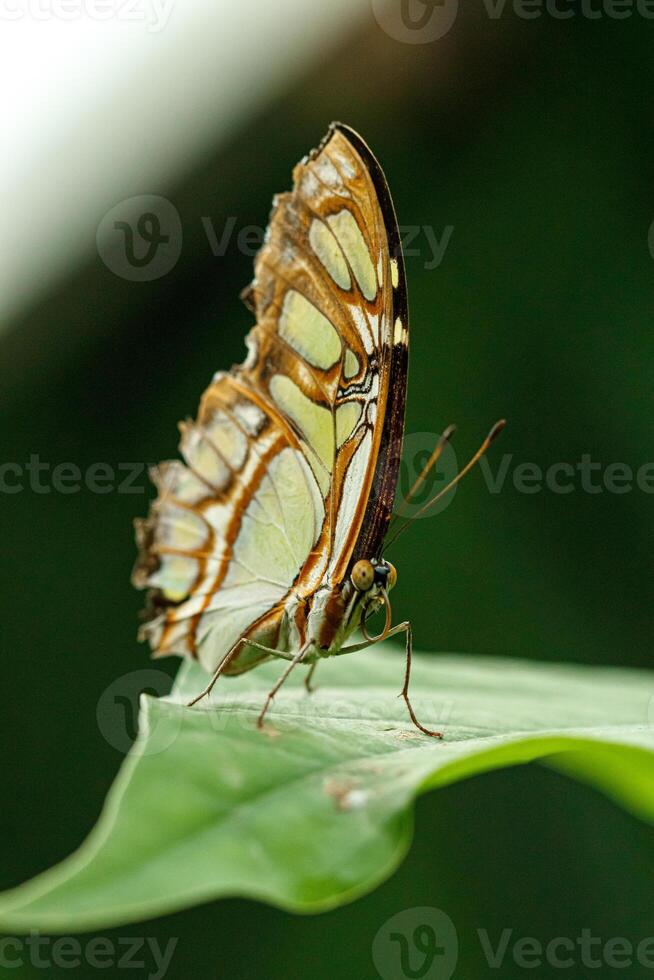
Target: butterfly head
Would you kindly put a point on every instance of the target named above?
(372, 580)
(373, 576)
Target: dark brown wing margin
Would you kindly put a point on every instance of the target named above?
(382, 495)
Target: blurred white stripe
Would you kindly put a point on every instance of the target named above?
(104, 108)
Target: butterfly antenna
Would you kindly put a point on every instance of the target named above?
(429, 465)
(490, 438)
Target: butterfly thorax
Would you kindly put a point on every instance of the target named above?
(326, 620)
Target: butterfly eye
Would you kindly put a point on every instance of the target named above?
(392, 576)
(363, 575)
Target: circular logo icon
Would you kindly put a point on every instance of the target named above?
(140, 239)
(118, 711)
(416, 944)
(412, 492)
(415, 21)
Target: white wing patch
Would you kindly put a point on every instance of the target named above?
(181, 529)
(229, 440)
(203, 458)
(351, 489)
(176, 575)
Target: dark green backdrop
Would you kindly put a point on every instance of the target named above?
(533, 140)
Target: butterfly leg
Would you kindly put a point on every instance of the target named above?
(298, 658)
(309, 676)
(404, 693)
(244, 641)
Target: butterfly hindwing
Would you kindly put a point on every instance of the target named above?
(229, 530)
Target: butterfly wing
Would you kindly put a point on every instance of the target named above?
(229, 530)
(292, 462)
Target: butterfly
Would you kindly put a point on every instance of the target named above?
(267, 541)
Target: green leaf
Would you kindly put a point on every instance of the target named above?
(312, 817)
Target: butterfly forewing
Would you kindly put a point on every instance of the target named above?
(284, 481)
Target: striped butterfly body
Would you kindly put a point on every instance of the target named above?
(266, 541)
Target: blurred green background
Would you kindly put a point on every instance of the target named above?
(533, 140)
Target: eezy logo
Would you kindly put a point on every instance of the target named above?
(415, 21)
(140, 239)
(417, 450)
(416, 944)
(118, 709)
